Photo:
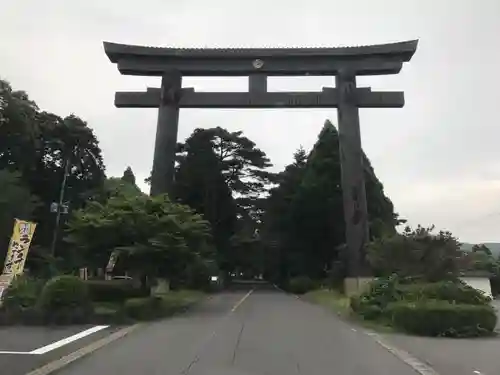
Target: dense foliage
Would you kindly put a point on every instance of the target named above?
(65, 299)
(152, 235)
(442, 318)
(303, 225)
(417, 252)
(36, 146)
(445, 308)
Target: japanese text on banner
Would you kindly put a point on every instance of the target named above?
(19, 247)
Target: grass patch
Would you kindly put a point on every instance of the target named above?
(331, 299)
(340, 304)
(186, 296)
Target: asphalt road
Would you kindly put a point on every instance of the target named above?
(17, 341)
(268, 332)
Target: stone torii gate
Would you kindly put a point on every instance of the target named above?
(345, 63)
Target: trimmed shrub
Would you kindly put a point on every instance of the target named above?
(300, 285)
(22, 293)
(451, 291)
(143, 308)
(65, 300)
(371, 304)
(442, 318)
(114, 290)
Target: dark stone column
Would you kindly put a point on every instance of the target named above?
(353, 182)
(162, 177)
(257, 83)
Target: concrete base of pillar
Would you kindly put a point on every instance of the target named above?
(356, 285)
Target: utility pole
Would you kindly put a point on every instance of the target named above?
(60, 206)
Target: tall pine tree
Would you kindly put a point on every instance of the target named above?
(128, 176)
(304, 217)
(200, 184)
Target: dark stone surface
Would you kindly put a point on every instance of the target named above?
(328, 98)
(269, 333)
(352, 172)
(257, 83)
(162, 176)
(375, 59)
(403, 50)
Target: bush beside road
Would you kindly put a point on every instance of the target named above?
(447, 308)
(69, 300)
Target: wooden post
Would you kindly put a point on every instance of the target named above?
(353, 182)
(162, 176)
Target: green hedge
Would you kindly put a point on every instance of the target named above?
(159, 306)
(451, 291)
(22, 293)
(442, 318)
(114, 290)
(300, 285)
(446, 308)
(383, 291)
(65, 300)
(143, 308)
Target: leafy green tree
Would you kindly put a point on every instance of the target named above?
(114, 187)
(416, 252)
(16, 201)
(482, 248)
(276, 227)
(243, 165)
(40, 145)
(155, 236)
(479, 259)
(128, 176)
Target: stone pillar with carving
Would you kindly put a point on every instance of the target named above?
(353, 182)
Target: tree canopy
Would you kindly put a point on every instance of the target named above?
(229, 208)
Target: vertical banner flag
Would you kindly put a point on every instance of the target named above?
(18, 247)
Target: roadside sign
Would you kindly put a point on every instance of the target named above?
(18, 247)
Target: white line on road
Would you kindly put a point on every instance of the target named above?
(414, 363)
(67, 340)
(241, 301)
(60, 343)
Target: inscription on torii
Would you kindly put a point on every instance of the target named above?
(345, 64)
(327, 98)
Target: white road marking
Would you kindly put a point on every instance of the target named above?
(67, 340)
(241, 301)
(352, 329)
(404, 356)
(60, 343)
(477, 372)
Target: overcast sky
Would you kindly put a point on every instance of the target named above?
(437, 157)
